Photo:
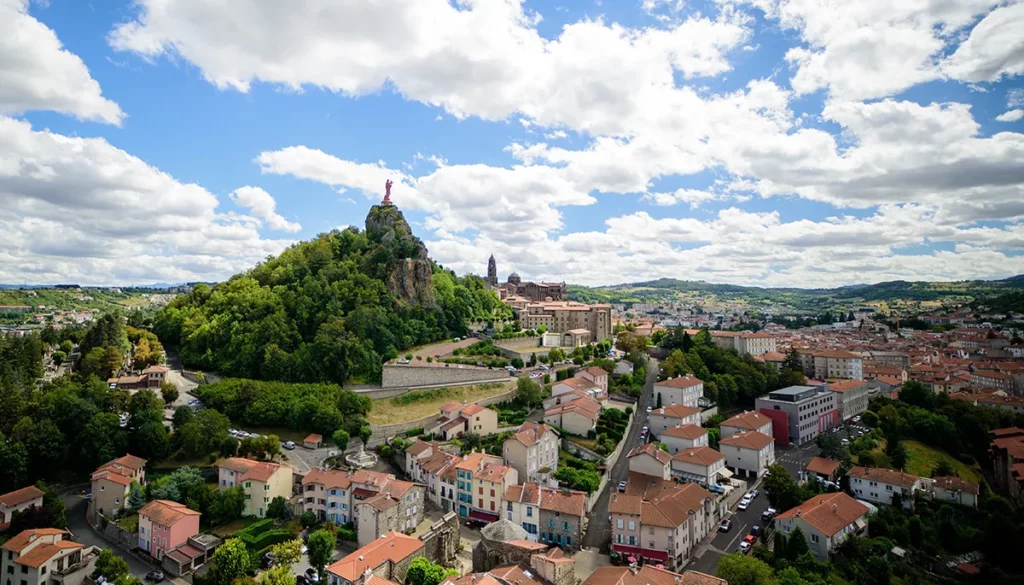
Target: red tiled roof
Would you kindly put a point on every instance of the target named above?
(680, 382)
(652, 450)
(846, 385)
(26, 537)
(748, 440)
(951, 483)
(828, 513)
(312, 438)
(392, 546)
(882, 475)
(530, 432)
(676, 411)
(166, 512)
(25, 494)
(685, 432)
(699, 455)
(750, 420)
(46, 551)
(250, 470)
(822, 466)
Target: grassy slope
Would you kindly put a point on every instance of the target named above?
(923, 459)
(387, 412)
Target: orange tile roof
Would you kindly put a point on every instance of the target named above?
(883, 475)
(44, 552)
(166, 512)
(625, 504)
(312, 438)
(680, 382)
(653, 450)
(451, 406)
(951, 483)
(750, 420)
(828, 513)
(26, 537)
(649, 575)
(846, 385)
(495, 473)
(530, 432)
(250, 470)
(822, 465)
(699, 455)
(472, 409)
(676, 411)
(476, 461)
(419, 447)
(393, 546)
(25, 494)
(593, 371)
(748, 440)
(685, 432)
(573, 503)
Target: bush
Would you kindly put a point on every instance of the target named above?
(591, 434)
(414, 432)
(629, 410)
(347, 532)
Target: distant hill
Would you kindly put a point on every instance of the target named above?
(665, 289)
(331, 309)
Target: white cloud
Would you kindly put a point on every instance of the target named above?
(994, 49)
(694, 197)
(37, 73)
(79, 209)
(263, 206)
(1011, 115)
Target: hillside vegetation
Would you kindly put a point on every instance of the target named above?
(328, 310)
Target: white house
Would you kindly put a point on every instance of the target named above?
(953, 489)
(571, 384)
(673, 415)
(825, 520)
(597, 376)
(650, 460)
(700, 464)
(879, 485)
(748, 454)
(684, 437)
(684, 390)
(532, 448)
(746, 421)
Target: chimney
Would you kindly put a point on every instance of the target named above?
(835, 509)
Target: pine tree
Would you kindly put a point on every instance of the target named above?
(136, 497)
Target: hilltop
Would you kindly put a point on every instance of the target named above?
(330, 309)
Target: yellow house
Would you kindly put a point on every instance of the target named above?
(262, 481)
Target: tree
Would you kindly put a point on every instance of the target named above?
(111, 566)
(230, 561)
(790, 576)
(739, 569)
(897, 453)
(341, 439)
(227, 504)
(288, 552)
(796, 544)
(365, 433)
(279, 509)
(58, 357)
(278, 575)
(944, 468)
(831, 446)
(136, 496)
(168, 391)
(424, 572)
(182, 416)
(783, 491)
(320, 550)
(658, 405)
(528, 392)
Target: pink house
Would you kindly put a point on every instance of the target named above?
(164, 526)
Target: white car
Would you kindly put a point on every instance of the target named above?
(649, 409)
(744, 503)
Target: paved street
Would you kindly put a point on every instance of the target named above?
(84, 533)
(599, 531)
(727, 542)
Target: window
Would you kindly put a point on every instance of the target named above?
(619, 523)
(529, 512)
(632, 525)
(651, 531)
(814, 538)
(481, 490)
(509, 506)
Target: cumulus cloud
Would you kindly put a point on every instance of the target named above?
(37, 73)
(263, 206)
(1010, 115)
(82, 210)
(994, 49)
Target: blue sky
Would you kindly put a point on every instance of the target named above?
(769, 142)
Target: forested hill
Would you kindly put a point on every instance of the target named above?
(331, 309)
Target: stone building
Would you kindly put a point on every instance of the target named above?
(387, 557)
(503, 543)
(492, 272)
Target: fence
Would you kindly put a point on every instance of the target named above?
(610, 461)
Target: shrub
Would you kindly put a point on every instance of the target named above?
(414, 432)
(430, 359)
(629, 410)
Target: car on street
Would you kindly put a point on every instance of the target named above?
(744, 547)
(622, 486)
(846, 441)
(649, 409)
(744, 503)
(769, 513)
(755, 531)
(155, 576)
(753, 494)
(301, 580)
(726, 525)
(289, 445)
(312, 575)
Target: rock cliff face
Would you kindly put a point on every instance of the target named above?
(409, 275)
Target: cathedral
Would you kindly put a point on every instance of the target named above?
(515, 287)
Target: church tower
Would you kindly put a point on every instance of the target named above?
(492, 272)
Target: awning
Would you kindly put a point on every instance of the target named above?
(626, 549)
(483, 516)
(654, 555)
(724, 472)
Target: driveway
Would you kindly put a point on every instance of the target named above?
(599, 530)
(84, 534)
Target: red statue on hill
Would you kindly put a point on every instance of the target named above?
(387, 193)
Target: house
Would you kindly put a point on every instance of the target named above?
(129, 382)
(684, 437)
(397, 508)
(880, 485)
(748, 454)
(954, 489)
(699, 464)
(465, 468)
(825, 520)
(660, 521)
(684, 390)
(262, 481)
(480, 420)
(387, 557)
(746, 421)
(549, 515)
(823, 469)
(18, 501)
(427, 464)
(597, 376)
(851, 397)
(489, 485)
(576, 384)
(534, 447)
(833, 364)
(577, 417)
(111, 483)
(650, 460)
(566, 397)
(335, 495)
(190, 556)
(673, 415)
(312, 441)
(1007, 449)
(46, 556)
(155, 375)
(649, 575)
(623, 368)
(165, 525)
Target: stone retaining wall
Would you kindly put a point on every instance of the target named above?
(385, 431)
(411, 375)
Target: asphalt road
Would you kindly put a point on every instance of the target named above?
(599, 529)
(84, 533)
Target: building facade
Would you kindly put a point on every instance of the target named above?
(851, 397)
(825, 520)
(111, 483)
(262, 481)
(46, 556)
(809, 411)
(748, 454)
(532, 448)
(165, 525)
(565, 316)
(880, 485)
(18, 501)
(684, 437)
(673, 415)
(683, 390)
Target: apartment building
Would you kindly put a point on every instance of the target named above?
(746, 421)
(684, 437)
(748, 454)
(465, 469)
(993, 379)
(386, 558)
(650, 460)
(427, 464)
(165, 525)
(597, 376)
(262, 481)
(18, 501)
(851, 397)
(799, 413)
(577, 417)
(489, 485)
(825, 520)
(567, 316)
(553, 516)
(1007, 449)
(659, 520)
(333, 494)
(534, 447)
(880, 485)
(700, 464)
(682, 390)
(833, 363)
(744, 342)
(46, 556)
(398, 507)
(673, 415)
(111, 483)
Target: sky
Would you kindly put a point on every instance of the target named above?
(807, 143)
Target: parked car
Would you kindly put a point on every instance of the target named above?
(155, 576)
(649, 409)
(289, 445)
(769, 513)
(755, 531)
(744, 547)
(744, 504)
(312, 575)
(622, 486)
(301, 580)
(267, 561)
(750, 539)
(753, 494)
(726, 525)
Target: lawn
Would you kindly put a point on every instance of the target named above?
(399, 409)
(226, 530)
(922, 459)
(129, 523)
